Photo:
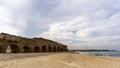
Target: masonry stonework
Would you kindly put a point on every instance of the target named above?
(19, 44)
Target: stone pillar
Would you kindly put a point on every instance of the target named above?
(32, 49)
(20, 50)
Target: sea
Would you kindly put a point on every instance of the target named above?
(114, 54)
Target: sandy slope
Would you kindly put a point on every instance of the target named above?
(57, 60)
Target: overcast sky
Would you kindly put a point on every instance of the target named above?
(80, 24)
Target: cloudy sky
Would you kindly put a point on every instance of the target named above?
(80, 24)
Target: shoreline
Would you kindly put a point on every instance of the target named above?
(112, 54)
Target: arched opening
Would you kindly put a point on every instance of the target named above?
(12, 49)
(61, 49)
(44, 49)
(58, 49)
(1, 49)
(54, 49)
(26, 49)
(36, 49)
(50, 49)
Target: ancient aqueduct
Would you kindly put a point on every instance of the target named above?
(19, 44)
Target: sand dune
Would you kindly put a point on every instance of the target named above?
(57, 60)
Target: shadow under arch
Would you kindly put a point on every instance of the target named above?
(26, 49)
(12, 49)
(1, 49)
(44, 48)
(36, 49)
(61, 49)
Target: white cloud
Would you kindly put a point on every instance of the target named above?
(82, 31)
(9, 21)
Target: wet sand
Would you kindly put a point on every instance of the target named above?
(57, 60)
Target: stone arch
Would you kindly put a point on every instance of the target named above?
(26, 49)
(54, 49)
(50, 49)
(44, 48)
(36, 49)
(12, 49)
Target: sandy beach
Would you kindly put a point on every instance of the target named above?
(57, 60)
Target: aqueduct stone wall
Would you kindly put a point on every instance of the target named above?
(19, 44)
